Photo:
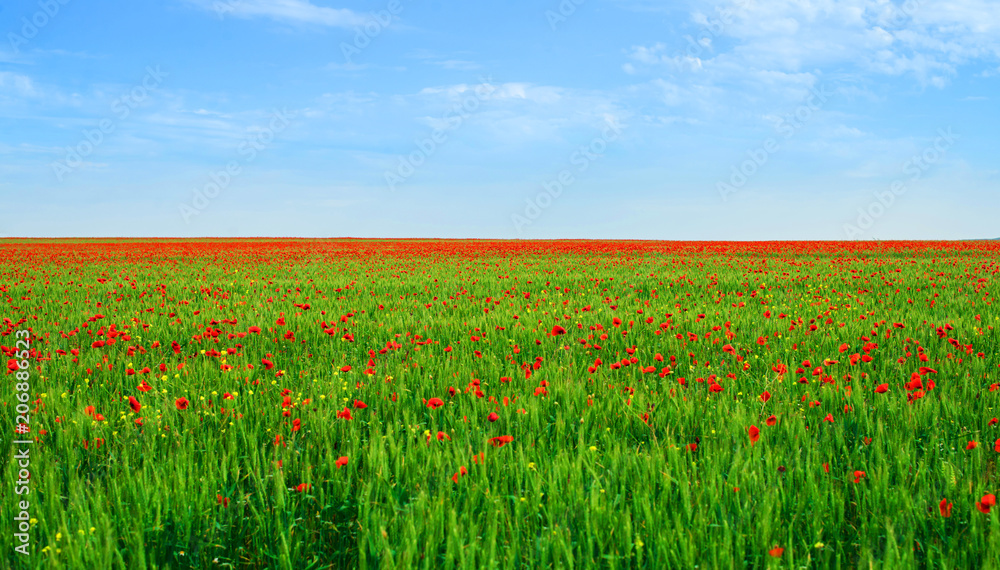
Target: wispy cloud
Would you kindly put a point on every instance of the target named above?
(294, 11)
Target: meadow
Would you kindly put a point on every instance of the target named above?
(496, 404)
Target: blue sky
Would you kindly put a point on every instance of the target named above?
(739, 119)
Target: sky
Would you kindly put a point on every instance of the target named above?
(620, 119)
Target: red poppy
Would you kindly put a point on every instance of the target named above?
(224, 501)
(435, 403)
(828, 418)
(771, 420)
(344, 414)
(345, 368)
(493, 417)
(136, 406)
(754, 433)
(882, 389)
(992, 422)
(443, 436)
(765, 396)
(776, 552)
(971, 445)
(945, 507)
(267, 363)
(986, 502)
(254, 329)
(557, 330)
(358, 404)
(181, 403)
(858, 475)
(296, 424)
(501, 441)
(341, 461)
(302, 487)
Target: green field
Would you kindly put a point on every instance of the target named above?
(328, 404)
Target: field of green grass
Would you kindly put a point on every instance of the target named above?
(316, 404)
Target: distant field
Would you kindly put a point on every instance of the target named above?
(497, 404)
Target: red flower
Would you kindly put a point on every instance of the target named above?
(765, 396)
(345, 414)
(557, 330)
(501, 441)
(493, 417)
(776, 552)
(754, 433)
(858, 475)
(993, 422)
(136, 406)
(255, 329)
(443, 436)
(996, 446)
(302, 487)
(771, 420)
(828, 418)
(181, 403)
(224, 501)
(435, 403)
(345, 368)
(882, 389)
(267, 363)
(341, 461)
(296, 424)
(945, 507)
(986, 502)
(971, 445)
(358, 404)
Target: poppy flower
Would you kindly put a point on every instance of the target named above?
(992, 422)
(135, 405)
(858, 475)
(443, 436)
(501, 441)
(345, 368)
(435, 403)
(254, 329)
(754, 433)
(945, 507)
(344, 414)
(771, 420)
(341, 461)
(557, 330)
(765, 396)
(776, 552)
(828, 418)
(181, 403)
(267, 363)
(302, 487)
(358, 404)
(996, 446)
(971, 445)
(296, 424)
(493, 417)
(986, 503)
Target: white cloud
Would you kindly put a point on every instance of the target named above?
(294, 11)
